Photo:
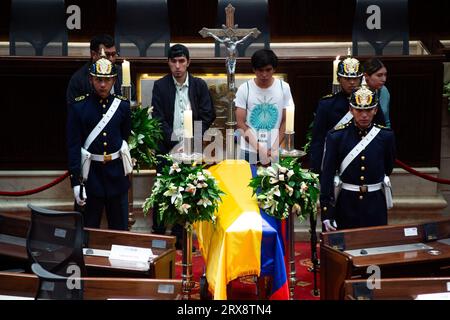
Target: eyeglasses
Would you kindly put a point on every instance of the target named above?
(110, 54)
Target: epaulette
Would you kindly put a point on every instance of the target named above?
(328, 96)
(120, 97)
(81, 97)
(342, 126)
(381, 126)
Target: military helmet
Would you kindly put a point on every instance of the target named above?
(103, 67)
(349, 68)
(363, 98)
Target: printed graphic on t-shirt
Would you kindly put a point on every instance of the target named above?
(264, 116)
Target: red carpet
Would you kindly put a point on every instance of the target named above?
(245, 288)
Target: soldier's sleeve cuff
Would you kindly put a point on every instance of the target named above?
(74, 180)
(327, 212)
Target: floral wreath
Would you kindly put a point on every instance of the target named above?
(285, 187)
(184, 193)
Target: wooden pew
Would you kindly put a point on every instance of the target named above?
(348, 254)
(23, 285)
(13, 233)
(395, 288)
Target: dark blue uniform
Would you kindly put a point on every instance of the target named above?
(355, 209)
(106, 186)
(330, 110)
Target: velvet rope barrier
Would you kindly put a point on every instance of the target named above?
(66, 174)
(36, 190)
(421, 175)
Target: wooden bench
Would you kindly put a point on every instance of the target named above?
(410, 250)
(24, 286)
(395, 288)
(13, 234)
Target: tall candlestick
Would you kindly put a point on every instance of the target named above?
(335, 68)
(126, 73)
(290, 109)
(187, 116)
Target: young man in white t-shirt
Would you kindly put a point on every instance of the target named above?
(260, 110)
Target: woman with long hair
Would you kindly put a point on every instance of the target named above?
(375, 74)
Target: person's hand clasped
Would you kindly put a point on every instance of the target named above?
(329, 226)
(76, 194)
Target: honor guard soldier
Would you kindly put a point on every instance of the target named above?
(332, 110)
(98, 127)
(358, 158)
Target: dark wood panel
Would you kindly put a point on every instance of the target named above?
(33, 118)
(290, 20)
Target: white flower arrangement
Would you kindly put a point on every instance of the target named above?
(286, 188)
(184, 193)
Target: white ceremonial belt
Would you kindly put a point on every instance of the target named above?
(106, 157)
(362, 188)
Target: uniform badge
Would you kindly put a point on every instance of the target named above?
(351, 65)
(363, 97)
(103, 66)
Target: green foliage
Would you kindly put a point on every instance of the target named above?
(285, 187)
(308, 137)
(184, 193)
(446, 92)
(145, 134)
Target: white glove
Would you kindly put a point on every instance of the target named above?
(329, 226)
(76, 194)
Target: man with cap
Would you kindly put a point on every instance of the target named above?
(332, 109)
(170, 98)
(98, 126)
(358, 158)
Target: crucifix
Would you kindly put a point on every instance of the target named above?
(229, 36)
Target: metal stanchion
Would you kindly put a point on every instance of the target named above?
(126, 91)
(290, 151)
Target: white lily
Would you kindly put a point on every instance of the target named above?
(282, 169)
(273, 180)
(271, 172)
(184, 208)
(303, 187)
(201, 184)
(205, 202)
(289, 190)
(173, 192)
(200, 176)
(290, 173)
(140, 138)
(191, 188)
(174, 168)
(149, 112)
(281, 177)
(275, 191)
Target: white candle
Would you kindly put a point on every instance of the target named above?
(335, 68)
(290, 118)
(187, 116)
(126, 73)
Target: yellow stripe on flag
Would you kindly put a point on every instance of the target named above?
(232, 247)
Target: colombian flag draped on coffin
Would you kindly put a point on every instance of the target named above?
(245, 240)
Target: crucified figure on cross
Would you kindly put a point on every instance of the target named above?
(229, 35)
(231, 44)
